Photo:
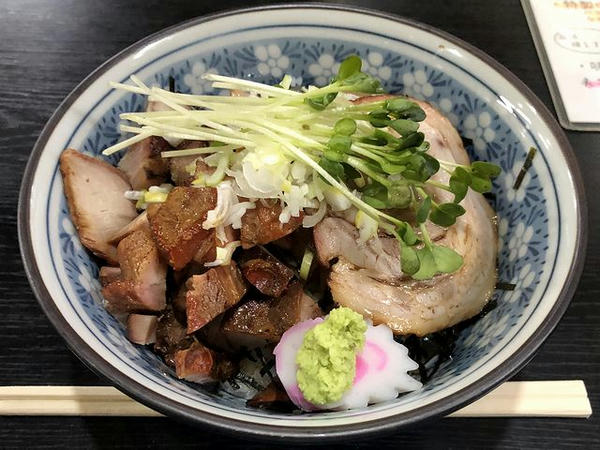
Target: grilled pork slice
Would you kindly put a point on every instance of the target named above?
(208, 295)
(177, 224)
(335, 237)
(140, 222)
(143, 164)
(265, 272)
(171, 336)
(200, 364)
(142, 284)
(141, 328)
(268, 319)
(422, 307)
(108, 274)
(261, 225)
(95, 194)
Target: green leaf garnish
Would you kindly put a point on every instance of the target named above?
(445, 214)
(446, 259)
(423, 211)
(345, 126)
(350, 66)
(404, 126)
(371, 154)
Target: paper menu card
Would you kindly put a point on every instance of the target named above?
(567, 38)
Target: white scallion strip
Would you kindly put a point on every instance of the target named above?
(367, 226)
(310, 221)
(307, 260)
(155, 197)
(224, 82)
(275, 116)
(197, 151)
(217, 176)
(224, 254)
(126, 143)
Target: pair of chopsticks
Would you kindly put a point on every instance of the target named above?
(511, 399)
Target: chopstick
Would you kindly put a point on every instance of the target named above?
(511, 399)
(532, 399)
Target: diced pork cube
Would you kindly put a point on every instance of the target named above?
(261, 225)
(143, 276)
(177, 223)
(141, 328)
(265, 272)
(171, 336)
(140, 222)
(143, 164)
(208, 295)
(200, 364)
(108, 274)
(270, 318)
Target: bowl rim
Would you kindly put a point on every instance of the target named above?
(191, 415)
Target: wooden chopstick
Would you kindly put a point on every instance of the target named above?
(512, 399)
(532, 399)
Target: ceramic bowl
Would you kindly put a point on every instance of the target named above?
(541, 224)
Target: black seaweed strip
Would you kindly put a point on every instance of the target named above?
(525, 168)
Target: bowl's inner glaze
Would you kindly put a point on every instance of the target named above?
(527, 249)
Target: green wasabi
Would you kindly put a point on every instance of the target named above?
(327, 359)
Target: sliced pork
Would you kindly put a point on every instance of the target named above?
(208, 295)
(422, 307)
(380, 256)
(95, 194)
(177, 224)
(142, 284)
(261, 225)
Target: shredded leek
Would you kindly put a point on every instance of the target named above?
(315, 148)
(306, 264)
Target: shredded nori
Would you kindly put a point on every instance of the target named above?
(504, 286)
(467, 142)
(525, 168)
(491, 198)
(432, 350)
